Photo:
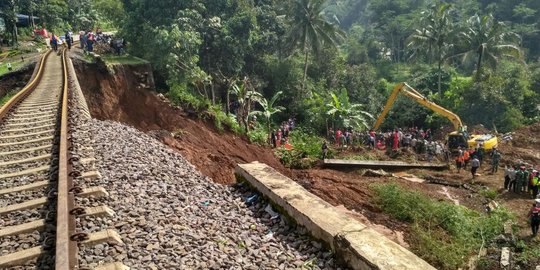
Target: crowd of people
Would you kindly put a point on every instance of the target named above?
(417, 139)
(476, 158)
(522, 178)
(89, 40)
(280, 136)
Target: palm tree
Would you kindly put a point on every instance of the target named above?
(348, 114)
(435, 34)
(310, 30)
(245, 96)
(269, 109)
(489, 40)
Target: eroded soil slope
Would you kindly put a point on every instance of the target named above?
(126, 97)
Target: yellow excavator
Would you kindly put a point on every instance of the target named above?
(455, 139)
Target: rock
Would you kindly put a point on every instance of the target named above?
(376, 173)
(505, 257)
(156, 195)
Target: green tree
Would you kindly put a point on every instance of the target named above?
(345, 113)
(489, 40)
(311, 30)
(435, 36)
(8, 13)
(245, 96)
(269, 109)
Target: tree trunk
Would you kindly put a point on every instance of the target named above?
(305, 69)
(439, 76)
(32, 19)
(213, 94)
(269, 131)
(228, 100)
(15, 36)
(479, 64)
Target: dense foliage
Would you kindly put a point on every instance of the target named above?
(477, 58)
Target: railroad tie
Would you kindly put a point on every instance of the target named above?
(29, 187)
(112, 266)
(37, 225)
(31, 204)
(20, 257)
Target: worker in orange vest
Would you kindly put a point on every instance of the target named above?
(459, 162)
(466, 158)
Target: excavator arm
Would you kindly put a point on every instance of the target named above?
(416, 96)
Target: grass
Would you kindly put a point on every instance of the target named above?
(366, 156)
(15, 65)
(123, 60)
(489, 193)
(7, 97)
(529, 253)
(444, 234)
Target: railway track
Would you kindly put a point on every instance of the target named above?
(42, 170)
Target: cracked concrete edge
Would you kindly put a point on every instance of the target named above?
(355, 244)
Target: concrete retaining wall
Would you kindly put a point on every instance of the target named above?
(354, 243)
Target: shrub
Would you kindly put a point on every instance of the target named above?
(489, 193)
(444, 234)
(180, 96)
(258, 136)
(306, 150)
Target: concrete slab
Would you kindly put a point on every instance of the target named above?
(376, 164)
(357, 245)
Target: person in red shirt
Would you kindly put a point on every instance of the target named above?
(338, 136)
(534, 215)
(279, 137)
(395, 143)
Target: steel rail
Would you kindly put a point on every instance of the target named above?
(21, 95)
(66, 249)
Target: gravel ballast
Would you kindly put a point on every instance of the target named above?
(172, 217)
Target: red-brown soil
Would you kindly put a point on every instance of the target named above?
(121, 98)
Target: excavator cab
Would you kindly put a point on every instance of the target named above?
(456, 140)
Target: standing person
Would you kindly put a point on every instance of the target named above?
(90, 38)
(69, 39)
(534, 183)
(82, 39)
(54, 42)
(521, 179)
(279, 137)
(466, 158)
(324, 149)
(459, 162)
(534, 215)
(480, 153)
(395, 140)
(273, 138)
(9, 67)
(338, 136)
(495, 158)
(509, 175)
(475, 163)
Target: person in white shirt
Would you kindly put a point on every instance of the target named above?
(509, 177)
